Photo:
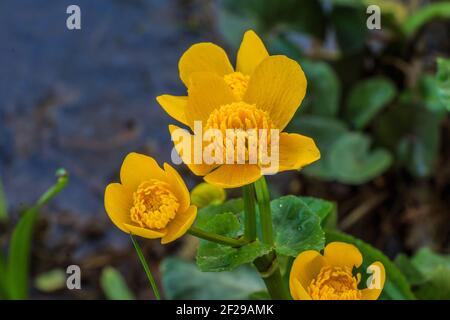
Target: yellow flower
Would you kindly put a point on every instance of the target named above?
(329, 277)
(149, 202)
(263, 92)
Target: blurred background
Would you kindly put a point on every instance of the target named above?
(376, 105)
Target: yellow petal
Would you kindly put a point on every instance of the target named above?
(175, 106)
(188, 155)
(306, 267)
(137, 168)
(373, 294)
(178, 187)
(145, 233)
(298, 292)
(278, 86)
(234, 175)
(296, 151)
(251, 52)
(341, 254)
(118, 202)
(178, 226)
(203, 57)
(207, 92)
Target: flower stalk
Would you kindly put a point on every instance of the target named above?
(263, 197)
(250, 213)
(267, 265)
(150, 278)
(217, 238)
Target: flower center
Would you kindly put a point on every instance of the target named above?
(334, 283)
(241, 127)
(154, 205)
(238, 83)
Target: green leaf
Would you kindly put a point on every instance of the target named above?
(325, 132)
(296, 227)
(424, 15)
(429, 89)
(413, 133)
(435, 268)
(352, 161)
(182, 280)
(215, 257)
(205, 214)
(443, 81)
(326, 210)
(410, 271)
(367, 98)
(51, 281)
(396, 286)
(20, 243)
(324, 89)
(114, 285)
(19, 256)
(3, 205)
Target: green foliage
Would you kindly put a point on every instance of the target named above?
(205, 214)
(443, 81)
(50, 281)
(3, 205)
(424, 15)
(183, 280)
(296, 226)
(14, 279)
(216, 257)
(412, 133)
(352, 161)
(367, 98)
(347, 22)
(396, 286)
(435, 269)
(324, 89)
(114, 285)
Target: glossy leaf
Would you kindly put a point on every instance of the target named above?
(216, 257)
(296, 226)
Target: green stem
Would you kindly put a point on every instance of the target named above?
(217, 238)
(269, 271)
(150, 278)
(263, 196)
(250, 213)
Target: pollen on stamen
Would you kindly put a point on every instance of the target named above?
(154, 205)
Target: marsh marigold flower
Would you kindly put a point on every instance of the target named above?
(329, 276)
(263, 92)
(149, 202)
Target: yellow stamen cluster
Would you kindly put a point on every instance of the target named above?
(245, 120)
(238, 83)
(154, 205)
(334, 283)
